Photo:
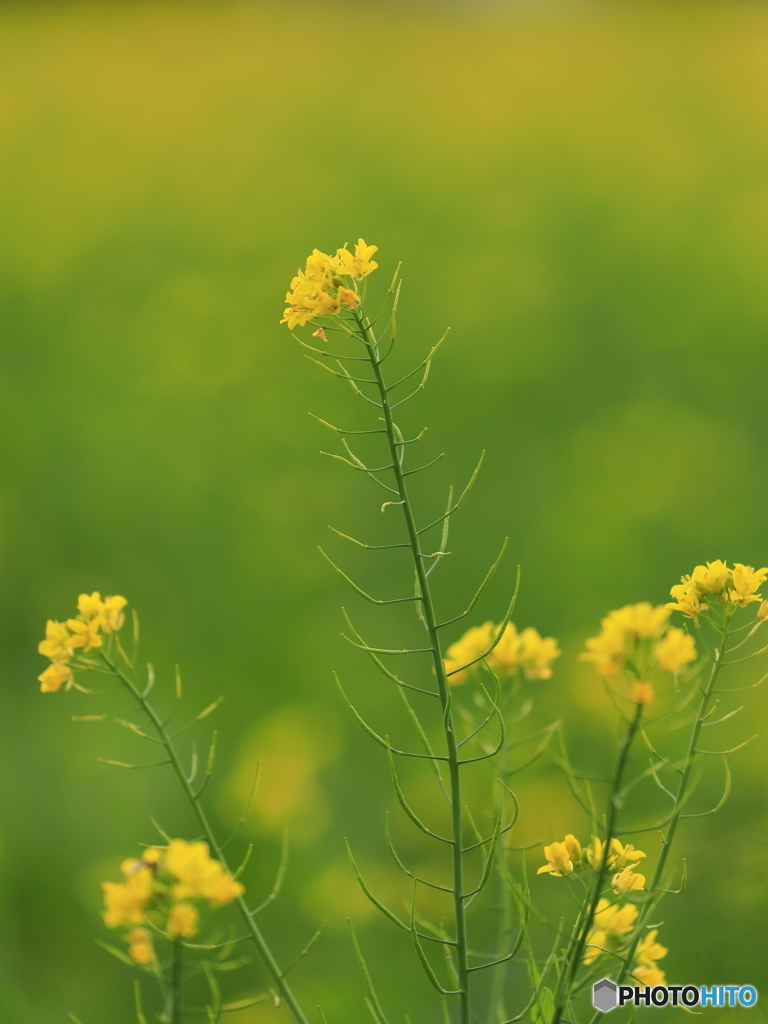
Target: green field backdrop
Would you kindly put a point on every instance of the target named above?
(581, 194)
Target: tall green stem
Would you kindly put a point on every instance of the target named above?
(573, 958)
(454, 767)
(682, 790)
(202, 818)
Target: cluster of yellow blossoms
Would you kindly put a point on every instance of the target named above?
(613, 922)
(563, 859)
(528, 651)
(161, 883)
(80, 635)
(320, 289)
(715, 580)
(629, 634)
(610, 932)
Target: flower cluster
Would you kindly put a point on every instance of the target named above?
(157, 890)
(611, 931)
(638, 637)
(63, 640)
(564, 858)
(736, 587)
(320, 289)
(528, 651)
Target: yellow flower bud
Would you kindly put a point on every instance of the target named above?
(140, 948)
(574, 848)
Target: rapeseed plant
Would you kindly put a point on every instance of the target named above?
(466, 707)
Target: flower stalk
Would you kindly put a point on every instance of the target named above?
(193, 799)
(584, 925)
(430, 623)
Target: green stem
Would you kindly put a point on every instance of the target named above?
(253, 929)
(176, 983)
(430, 620)
(575, 953)
(717, 664)
(496, 1001)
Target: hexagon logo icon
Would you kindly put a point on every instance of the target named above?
(604, 996)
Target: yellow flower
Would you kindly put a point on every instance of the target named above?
(613, 919)
(359, 265)
(198, 875)
(746, 581)
(618, 857)
(762, 611)
(627, 881)
(53, 677)
(623, 855)
(594, 852)
(573, 846)
(109, 610)
(113, 613)
(58, 645)
(505, 656)
(642, 620)
(84, 634)
(321, 268)
(183, 919)
(140, 948)
(620, 629)
(559, 858)
(649, 950)
(611, 924)
(642, 693)
(348, 298)
(308, 299)
(537, 654)
(90, 606)
(608, 649)
(650, 976)
(675, 650)
(124, 901)
(712, 578)
(687, 600)
(474, 642)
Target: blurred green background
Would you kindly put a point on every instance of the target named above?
(581, 193)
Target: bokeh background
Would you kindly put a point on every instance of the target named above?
(581, 193)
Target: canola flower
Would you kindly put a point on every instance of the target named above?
(559, 860)
(527, 651)
(627, 881)
(650, 977)
(80, 635)
(619, 856)
(199, 877)
(610, 927)
(647, 952)
(736, 587)
(320, 290)
(675, 650)
(639, 640)
(562, 858)
(158, 888)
